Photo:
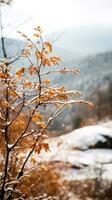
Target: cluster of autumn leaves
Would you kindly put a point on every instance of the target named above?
(25, 94)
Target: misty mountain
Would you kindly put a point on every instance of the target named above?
(12, 47)
(73, 42)
(89, 49)
(95, 71)
(84, 41)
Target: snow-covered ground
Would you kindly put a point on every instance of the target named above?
(73, 148)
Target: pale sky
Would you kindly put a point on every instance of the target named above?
(56, 14)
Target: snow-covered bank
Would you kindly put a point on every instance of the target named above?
(80, 149)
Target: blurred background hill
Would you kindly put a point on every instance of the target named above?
(90, 50)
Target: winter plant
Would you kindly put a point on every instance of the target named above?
(25, 94)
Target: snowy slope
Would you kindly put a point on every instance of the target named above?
(73, 148)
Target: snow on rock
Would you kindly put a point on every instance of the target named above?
(73, 148)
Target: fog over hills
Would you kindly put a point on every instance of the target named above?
(84, 41)
(95, 71)
(89, 49)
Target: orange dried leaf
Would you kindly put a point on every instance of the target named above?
(31, 69)
(23, 35)
(42, 146)
(27, 84)
(20, 72)
(46, 61)
(36, 35)
(12, 93)
(37, 117)
(38, 29)
(55, 60)
(38, 148)
(5, 104)
(44, 168)
(48, 45)
(26, 53)
(52, 92)
(2, 75)
(41, 125)
(33, 160)
(47, 81)
(39, 54)
(45, 146)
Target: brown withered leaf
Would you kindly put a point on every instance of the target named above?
(46, 81)
(48, 45)
(37, 117)
(20, 72)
